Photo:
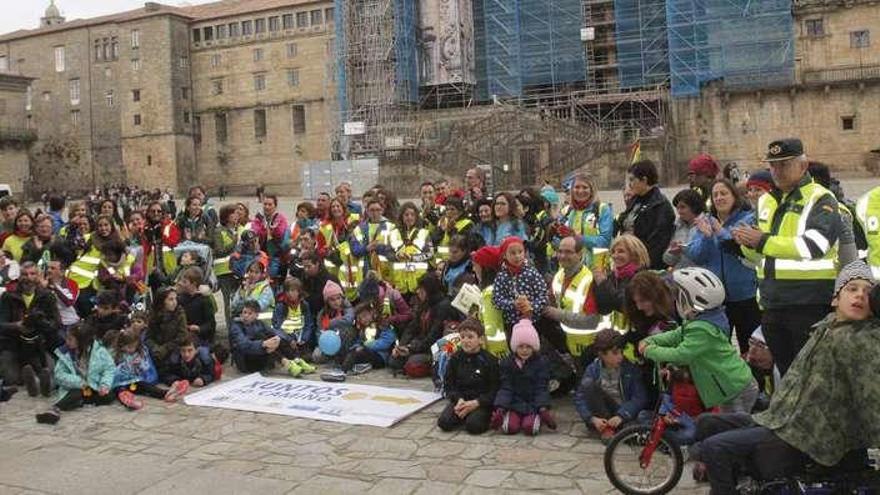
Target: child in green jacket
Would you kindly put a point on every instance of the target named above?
(84, 374)
(702, 343)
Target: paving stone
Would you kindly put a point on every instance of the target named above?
(487, 477)
(330, 485)
(393, 486)
(538, 481)
(218, 482)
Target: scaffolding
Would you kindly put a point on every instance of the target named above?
(641, 43)
(377, 75)
(747, 44)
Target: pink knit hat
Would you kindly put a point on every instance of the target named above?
(331, 288)
(524, 333)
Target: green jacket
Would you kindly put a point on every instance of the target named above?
(718, 371)
(100, 370)
(828, 401)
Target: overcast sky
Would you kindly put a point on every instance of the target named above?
(19, 14)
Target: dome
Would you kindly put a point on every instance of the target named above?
(52, 10)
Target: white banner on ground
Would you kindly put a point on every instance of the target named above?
(338, 402)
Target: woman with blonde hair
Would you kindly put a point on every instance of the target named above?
(628, 257)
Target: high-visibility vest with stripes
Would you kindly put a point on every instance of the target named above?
(442, 253)
(797, 263)
(253, 294)
(330, 241)
(293, 323)
(493, 323)
(123, 269)
(351, 271)
(406, 274)
(585, 223)
(868, 214)
(228, 239)
(15, 245)
(572, 301)
(84, 270)
(381, 233)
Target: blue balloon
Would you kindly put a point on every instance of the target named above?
(329, 343)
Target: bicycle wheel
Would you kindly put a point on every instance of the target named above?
(627, 475)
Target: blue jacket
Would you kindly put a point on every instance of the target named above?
(137, 367)
(381, 345)
(715, 253)
(487, 232)
(100, 370)
(247, 340)
(307, 334)
(524, 390)
(510, 228)
(632, 389)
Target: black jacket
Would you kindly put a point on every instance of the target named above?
(201, 366)
(99, 326)
(199, 311)
(524, 390)
(472, 376)
(654, 224)
(314, 289)
(40, 322)
(425, 328)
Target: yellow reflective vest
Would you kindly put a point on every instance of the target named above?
(493, 323)
(410, 247)
(572, 300)
(868, 214)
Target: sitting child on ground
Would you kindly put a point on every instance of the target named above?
(108, 316)
(368, 347)
(336, 314)
(294, 324)
(611, 392)
(83, 372)
(136, 374)
(251, 341)
(523, 400)
(471, 382)
(190, 364)
(167, 327)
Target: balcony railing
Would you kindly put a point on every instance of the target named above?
(17, 135)
(841, 74)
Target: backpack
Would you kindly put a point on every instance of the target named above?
(418, 366)
(563, 377)
(442, 350)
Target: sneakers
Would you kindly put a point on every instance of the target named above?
(361, 368)
(333, 376)
(45, 382)
(29, 377)
(293, 368)
(178, 389)
(129, 400)
(49, 417)
(306, 367)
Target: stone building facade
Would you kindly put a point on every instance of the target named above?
(132, 97)
(15, 138)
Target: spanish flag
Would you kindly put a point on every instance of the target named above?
(635, 151)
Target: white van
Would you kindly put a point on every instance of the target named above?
(5, 190)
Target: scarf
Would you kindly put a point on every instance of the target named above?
(581, 205)
(626, 271)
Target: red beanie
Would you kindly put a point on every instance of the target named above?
(507, 242)
(703, 164)
(487, 257)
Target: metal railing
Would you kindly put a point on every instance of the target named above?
(841, 74)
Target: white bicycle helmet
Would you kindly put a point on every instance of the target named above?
(699, 290)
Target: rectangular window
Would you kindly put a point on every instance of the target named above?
(260, 26)
(74, 118)
(274, 23)
(328, 14)
(317, 17)
(47, 96)
(298, 112)
(220, 127)
(221, 32)
(234, 30)
(291, 50)
(287, 21)
(106, 48)
(215, 60)
(114, 49)
(302, 19)
(59, 59)
(186, 117)
(259, 82)
(247, 28)
(98, 51)
(208, 33)
(860, 39)
(217, 87)
(258, 54)
(293, 77)
(137, 119)
(197, 131)
(108, 72)
(814, 27)
(74, 91)
(135, 38)
(848, 123)
(4, 63)
(135, 95)
(108, 96)
(184, 93)
(260, 123)
(183, 61)
(29, 99)
(136, 64)
(197, 35)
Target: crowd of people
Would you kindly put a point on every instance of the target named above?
(745, 293)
